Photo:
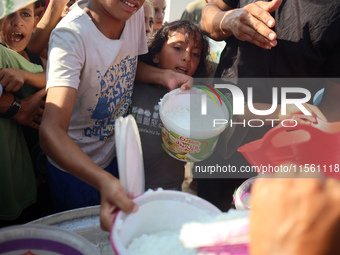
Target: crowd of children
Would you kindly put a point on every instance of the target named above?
(89, 83)
(21, 76)
(24, 35)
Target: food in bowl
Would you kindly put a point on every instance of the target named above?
(161, 212)
(167, 242)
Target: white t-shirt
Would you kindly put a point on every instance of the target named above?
(103, 72)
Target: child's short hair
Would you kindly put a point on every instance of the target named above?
(162, 35)
(39, 3)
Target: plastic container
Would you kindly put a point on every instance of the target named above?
(43, 240)
(242, 195)
(158, 211)
(216, 48)
(82, 221)
(302, 148)
(128, 146)
(187, 134)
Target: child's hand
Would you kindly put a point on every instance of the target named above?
(173, 80)
(11, 79)
(164, 77)
(295, 113)
(31, 110)
(112, 199)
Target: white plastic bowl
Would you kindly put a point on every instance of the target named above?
(158, 211)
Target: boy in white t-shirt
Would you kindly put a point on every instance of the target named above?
(92, 65)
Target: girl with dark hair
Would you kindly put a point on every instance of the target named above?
(180, 46)
(190, 32)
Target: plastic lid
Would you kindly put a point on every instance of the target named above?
(129, 155)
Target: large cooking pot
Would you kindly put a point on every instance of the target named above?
(84, 222)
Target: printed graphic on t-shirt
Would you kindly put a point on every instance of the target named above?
(114, 98)
(149, 123)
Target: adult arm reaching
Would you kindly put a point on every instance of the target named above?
(252, 23)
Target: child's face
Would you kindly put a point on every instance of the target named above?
(148, 14)
(159, 7)
(117, 10)
(18, 27)
(179, 53)
(39, 12)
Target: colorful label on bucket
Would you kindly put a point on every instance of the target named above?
(187, 149)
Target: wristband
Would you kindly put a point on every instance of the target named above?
(13, 109)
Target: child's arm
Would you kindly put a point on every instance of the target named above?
(50, 19)
(167, 78)
(56, 142)
(44, 62)
(12, 79)
(30, 111)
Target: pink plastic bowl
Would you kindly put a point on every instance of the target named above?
(158, 211)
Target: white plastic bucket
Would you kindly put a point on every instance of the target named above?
(158, 211)
(187, 133)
